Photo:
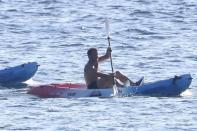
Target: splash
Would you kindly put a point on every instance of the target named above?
(33, 82)
(186, 93)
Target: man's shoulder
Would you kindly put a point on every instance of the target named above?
(88, 67)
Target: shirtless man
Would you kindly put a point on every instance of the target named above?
(95, 79)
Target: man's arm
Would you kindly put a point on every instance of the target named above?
(99, 74)
(103, 58)
(106, 56)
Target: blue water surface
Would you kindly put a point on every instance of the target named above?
(151, 38)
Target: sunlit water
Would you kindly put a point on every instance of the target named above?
(155, 39)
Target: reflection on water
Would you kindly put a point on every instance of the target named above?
(155, 39)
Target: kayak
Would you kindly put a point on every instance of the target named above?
(164, 88)
(18, 74)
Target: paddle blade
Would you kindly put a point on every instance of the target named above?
(107, 27)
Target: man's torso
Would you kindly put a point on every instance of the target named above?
(90, 74)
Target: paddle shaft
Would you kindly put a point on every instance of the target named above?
(112, 69)
(109, 42)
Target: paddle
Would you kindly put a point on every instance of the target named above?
(109, 44)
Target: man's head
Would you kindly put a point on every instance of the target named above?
(92, 54)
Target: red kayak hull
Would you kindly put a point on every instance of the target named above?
(46, 91)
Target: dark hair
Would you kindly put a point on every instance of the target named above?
(91, 50)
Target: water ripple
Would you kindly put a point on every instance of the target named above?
(155, 39)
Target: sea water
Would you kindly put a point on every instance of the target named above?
(151, 38)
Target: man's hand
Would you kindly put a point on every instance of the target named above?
(106, 56)
(112, 74)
